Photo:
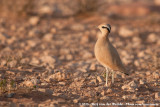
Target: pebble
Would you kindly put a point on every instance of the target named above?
(125, 32)
(12, 63)
(152, 38)
(48, 37)
(92, 67)
(59, 76)
(92, 82)
(140, 102)
(87, 55)
(34, 61)
(28, 83)
(48, 91)
(45, 10)
(3, 62)
(48, 59)
(34, 20)
(24, 61)
(109, 90)
(100, 79)
(31, 43)
(148, 73)
(141, 81)
(61, 83)
(157, 95)
(136, 63)
(156, 75)
(132, 86)
(69, 57)
(35, 81)
(75, 100)
(77, 27)
(103, 93)
(84, 39)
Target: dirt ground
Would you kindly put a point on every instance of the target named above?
(48, 60)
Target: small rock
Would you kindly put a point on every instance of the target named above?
(84, 39)
(141, 81)
(44, 83)
(92, 67)
(136, 39)
(34, 61)
(93, 82)
(140, 102)
(103, 93)
(48, 59)
(34, 20)
(77, 27)
(156, 75)
(24, 61)
(48, 37)
(48, 91)
(141, 54)
(148, 73)
(83, 70)
(64, 51)
(132, 86)
(59, 76)
(100, 79)
(61, 83)
(136, 63)
(125, 32)
(53, 30)
(152, 37)
(157, 95)
(31, 43)
(87, 55)
(12, 63)
(3, 62)
(109, 90)
(69, 57)
(75, 100)
(35, 81)
(28, 83)
(10, 72)
(45, 10)
(126, 97)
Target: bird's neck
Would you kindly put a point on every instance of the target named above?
(104, 36)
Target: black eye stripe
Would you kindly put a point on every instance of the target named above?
(104, 27)
(107, 28)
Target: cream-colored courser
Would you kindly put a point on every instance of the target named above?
(106, 54)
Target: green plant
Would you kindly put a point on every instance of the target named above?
(3, 84)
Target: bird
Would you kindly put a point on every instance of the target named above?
(106, 53)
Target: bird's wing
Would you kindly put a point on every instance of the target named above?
(118, 65)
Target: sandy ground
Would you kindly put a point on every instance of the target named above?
(50, 61)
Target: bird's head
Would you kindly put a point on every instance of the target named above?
(105, 28)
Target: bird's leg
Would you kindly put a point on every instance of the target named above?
(113, 76)
(107, 71)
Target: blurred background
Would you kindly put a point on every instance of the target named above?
(43, 37)
(37, 27)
